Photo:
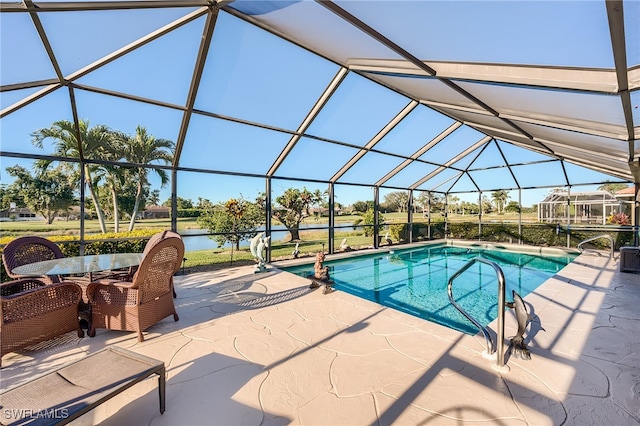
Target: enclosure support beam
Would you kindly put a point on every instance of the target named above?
(636, 216)
(332, 231)
(480, 215)
(82, 195)
(446, 215)
(520, 216)
(267, 213)
(568, 216)
(174, 200)
(429, 217)
(410, 216)
(376, 215)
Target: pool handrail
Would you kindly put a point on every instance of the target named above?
(491, 348)
(607, 236)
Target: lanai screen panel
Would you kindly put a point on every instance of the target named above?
(16, 128)
(253, 75)
(233, 84)
(456, 33)
(420, 127)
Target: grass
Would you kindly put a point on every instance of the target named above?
(311, 243)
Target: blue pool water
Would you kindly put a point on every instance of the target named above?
(415, 280)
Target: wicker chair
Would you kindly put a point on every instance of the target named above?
(140, 303)
(155, 238)
(24, 250)
(32, 311)
(127, 275)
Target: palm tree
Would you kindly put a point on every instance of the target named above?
(501, 196)
(612, 187)
(154, 197)
(143, 148)
(114, 178)
(453, 203)
(92, 144)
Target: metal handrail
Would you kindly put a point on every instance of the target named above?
(491, 348)
(609, 237)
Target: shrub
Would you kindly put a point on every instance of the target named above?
(619, 219)
(367, 222)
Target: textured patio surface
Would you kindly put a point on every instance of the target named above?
(264, 349)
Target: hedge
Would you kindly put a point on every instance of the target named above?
(536, 234)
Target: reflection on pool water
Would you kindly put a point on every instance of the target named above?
(415, 280)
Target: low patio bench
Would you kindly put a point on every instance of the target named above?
(60, 396)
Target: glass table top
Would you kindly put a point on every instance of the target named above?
(80, 264)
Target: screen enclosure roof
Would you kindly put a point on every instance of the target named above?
(447, 96)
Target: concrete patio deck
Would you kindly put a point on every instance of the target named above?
(264, 349)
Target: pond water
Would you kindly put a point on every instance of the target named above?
(194, 242)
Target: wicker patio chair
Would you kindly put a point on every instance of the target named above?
(140, 303)
(32, 311)
(24, 250)
(155, 238)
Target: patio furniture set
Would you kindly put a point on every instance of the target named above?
(37, 306)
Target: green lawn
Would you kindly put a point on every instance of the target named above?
(312, 243)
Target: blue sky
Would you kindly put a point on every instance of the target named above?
(253, 76)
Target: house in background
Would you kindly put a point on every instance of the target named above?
(18, 213)
(579, 207)
(156, 212)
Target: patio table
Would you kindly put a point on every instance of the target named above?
(80, 265)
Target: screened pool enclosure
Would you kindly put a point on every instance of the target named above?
(454, 104)
(584, 207)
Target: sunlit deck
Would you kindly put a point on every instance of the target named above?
(263, 349)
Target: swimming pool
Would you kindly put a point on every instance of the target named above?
(415, 280)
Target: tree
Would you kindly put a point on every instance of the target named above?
(10, 194)
(367, 219)
(513, 207)
(181, 203)
(48, 192)
(92, 143)
(612, 187)
(468, 207)
(487, 207)
(203, 203)
(452, 201)
(293, 207)
(234, 220)
(426, 199)
(397, 200)
(121, 187)
(500, 198)
(362, 206)
(114, 176)
(143, 148)
(154, 197)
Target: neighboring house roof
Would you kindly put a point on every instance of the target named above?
(13, 210)
(156, 209)
(627, 191)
